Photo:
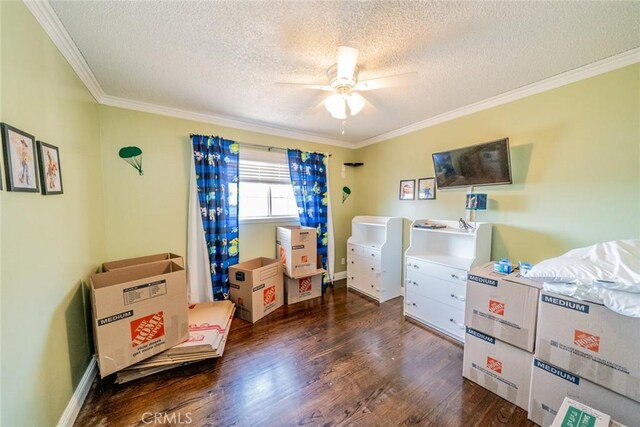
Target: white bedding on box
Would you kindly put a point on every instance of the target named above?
(607, 273)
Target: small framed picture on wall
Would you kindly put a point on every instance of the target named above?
(50, 173)
(427, 188)
(407, 189)
(19, 159)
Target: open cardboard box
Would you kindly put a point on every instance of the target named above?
(129, 262)
(138, 311)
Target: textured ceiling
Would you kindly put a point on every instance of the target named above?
(223, 58)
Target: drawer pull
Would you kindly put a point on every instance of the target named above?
(454, 296)
(373, 254)
(457, 324)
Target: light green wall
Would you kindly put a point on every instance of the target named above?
(148, 214)
(575, 161)
(50, 244)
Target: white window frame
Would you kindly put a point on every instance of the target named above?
(274, 157)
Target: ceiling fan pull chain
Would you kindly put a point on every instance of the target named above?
(344, 124)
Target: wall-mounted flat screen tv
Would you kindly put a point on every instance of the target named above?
(482, 164)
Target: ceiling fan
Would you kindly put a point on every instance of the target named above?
(343, 82)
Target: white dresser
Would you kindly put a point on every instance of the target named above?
(374, 257)
(437, 263)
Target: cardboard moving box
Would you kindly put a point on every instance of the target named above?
(138, 311)
(209, 325)
(297, 289)
(256, 288)
(550, 384)
(129, 262)
(592, 341)
(575, 414)
(497, 366)
(296, 248)
(504, 306)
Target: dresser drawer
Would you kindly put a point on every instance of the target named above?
(437, 314)
(365, 265)
(355, 263)
(371, 265)
(450, 274)
(365, 283)
(452, 294)
(353, 249)
(371, 253)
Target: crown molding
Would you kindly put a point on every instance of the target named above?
(50, 23)
(47, 18)
(591, 70)
(219, 120)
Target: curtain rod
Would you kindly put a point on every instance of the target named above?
(248, 144)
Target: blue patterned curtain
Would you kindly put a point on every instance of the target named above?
(309, 178)
(216, 165)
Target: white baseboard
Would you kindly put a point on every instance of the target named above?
(79, 395)
(340, 275)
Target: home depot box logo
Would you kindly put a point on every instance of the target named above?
(496, 307)
(305, 285)
(269, 295)
(586, 340)
(494, 364)
(147, 328)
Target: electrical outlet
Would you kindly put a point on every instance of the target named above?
(342, 261)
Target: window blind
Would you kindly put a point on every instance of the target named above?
(264, 172)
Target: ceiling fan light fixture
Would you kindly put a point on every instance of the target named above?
(356, 103)
(335, 104)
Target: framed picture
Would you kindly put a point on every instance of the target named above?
(427, 188)
(407, 189)
(50, 173)
(19, 159)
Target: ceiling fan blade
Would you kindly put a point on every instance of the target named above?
(388, 81)
(347, 60)
(305, 86)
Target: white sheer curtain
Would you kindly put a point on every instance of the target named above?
(330, 242)
(198, 270)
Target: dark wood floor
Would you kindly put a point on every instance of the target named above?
(338, 360)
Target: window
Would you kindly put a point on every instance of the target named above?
(265, 190)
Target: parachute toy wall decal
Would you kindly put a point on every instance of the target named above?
(346, 191)
(133, 156)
